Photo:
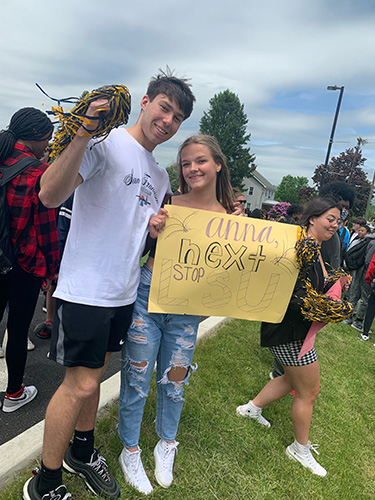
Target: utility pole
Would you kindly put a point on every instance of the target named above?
(325, 168)
(360, 142)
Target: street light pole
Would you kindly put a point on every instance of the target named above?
(332, 87)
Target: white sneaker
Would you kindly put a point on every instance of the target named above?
(164, 454)
(364, 337)
(132, 467)
(302, 454)
(30, 345)
(12, 404)
(249, 411)
(271, 376)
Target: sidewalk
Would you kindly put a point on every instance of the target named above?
(21, 451)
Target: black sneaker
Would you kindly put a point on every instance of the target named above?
(358, 325)
(43, 330)
(95, 473)
(30, 491)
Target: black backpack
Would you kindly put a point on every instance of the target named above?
(355, 256)
(7, 251)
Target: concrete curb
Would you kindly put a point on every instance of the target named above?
(19, 452)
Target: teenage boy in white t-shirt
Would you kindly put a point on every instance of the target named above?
(120, 188)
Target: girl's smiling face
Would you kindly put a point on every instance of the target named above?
(324, 226)
(198, 166)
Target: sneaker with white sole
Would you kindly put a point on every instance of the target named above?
(30, 345)
(134, 472)
(30, 490)
(95, 473)
(11, 404)
(357, 325)
(164, 454)
(250, 411)
(363, 336)
(302, 454)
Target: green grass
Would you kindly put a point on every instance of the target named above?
(222, 456)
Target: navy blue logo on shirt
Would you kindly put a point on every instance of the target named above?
(147, 189)
(143, 200)
(130, 179)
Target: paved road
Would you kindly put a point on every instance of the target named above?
(45, 374)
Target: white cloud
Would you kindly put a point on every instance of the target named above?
(262, 51)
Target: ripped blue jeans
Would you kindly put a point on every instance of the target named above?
(169, 340)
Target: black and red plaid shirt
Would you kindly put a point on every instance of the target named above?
(39, 248)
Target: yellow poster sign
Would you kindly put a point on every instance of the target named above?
(212, 264)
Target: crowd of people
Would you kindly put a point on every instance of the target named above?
(359, 259)
(97, 294)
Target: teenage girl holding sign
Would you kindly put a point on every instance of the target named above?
(167, 339)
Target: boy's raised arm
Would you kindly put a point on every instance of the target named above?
(61, 178)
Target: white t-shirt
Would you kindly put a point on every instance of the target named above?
(122, 188)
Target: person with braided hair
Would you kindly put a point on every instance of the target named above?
(34, 239)
(118, 193)
(308, 303)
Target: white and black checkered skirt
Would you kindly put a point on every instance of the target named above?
(287, 354)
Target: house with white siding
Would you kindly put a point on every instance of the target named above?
(258, 192)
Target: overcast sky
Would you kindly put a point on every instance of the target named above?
(278, 57)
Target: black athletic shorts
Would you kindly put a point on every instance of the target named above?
(82, 335)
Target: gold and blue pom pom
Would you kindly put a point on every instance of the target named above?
(336, 274)
(319, 307)
(307, 251)
(70, 121)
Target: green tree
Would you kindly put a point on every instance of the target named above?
(371, 212)
(174, 176)
(227, 122)
(83, 95)
(347, 167)
(289, 188)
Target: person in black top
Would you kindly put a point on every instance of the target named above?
(285, 340)
(332, 249)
